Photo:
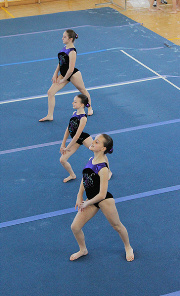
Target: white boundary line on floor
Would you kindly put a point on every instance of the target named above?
(75, 90)
(160, 76)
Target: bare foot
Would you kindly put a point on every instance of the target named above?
(47, 118)
(78, 255)
(110, 175)
(129, 254)
(90, 111)
(69, 178)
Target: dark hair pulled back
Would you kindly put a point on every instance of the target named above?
(84, 100)
(72, 34)
(108, 143)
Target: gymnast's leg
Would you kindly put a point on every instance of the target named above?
(109, 209)
(77, 81)
(55, 87)
(64, 161)
(80, 220)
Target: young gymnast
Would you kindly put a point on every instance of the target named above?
(68, 73)
(75, 129)
(95, 183)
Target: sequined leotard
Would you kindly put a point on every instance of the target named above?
(91, 179)
(63, 57)
(73, 127)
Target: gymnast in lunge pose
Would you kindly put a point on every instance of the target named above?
(68, 73)
(75, 129)
(95, 183)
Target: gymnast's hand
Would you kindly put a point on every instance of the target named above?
(78, 203)
(62, 149)
(59, 80)
(54, 78)
(83, 205)
(65, 150)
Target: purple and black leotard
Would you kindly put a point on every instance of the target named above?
(91, 180)
(63, 57)
(73, 127)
